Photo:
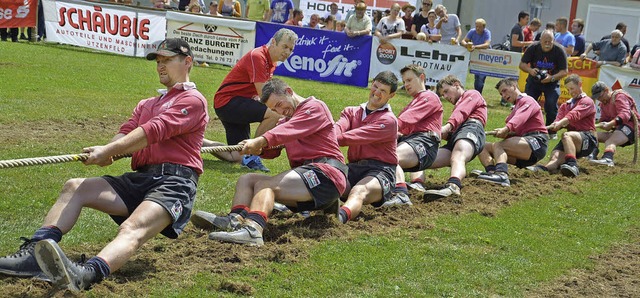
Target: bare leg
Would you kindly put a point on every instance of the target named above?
(367, 191)
(233, 156)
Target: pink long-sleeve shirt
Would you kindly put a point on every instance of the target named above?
(423, 113)
(621, 106)
(470, 105)
(308, 134)
(581, 113)
(526, 117)
(372, 136)
(174, 124)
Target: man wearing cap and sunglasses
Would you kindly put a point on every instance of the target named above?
(615, 117)
(165, 135)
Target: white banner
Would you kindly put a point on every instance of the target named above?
(310, 7)
(212, 39)
(495, 63)
(111, 28)
(438, 60)
(625, 77)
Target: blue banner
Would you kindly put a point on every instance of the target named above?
(322, 55)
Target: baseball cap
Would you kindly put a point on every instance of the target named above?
(597, 89)
(171, 47)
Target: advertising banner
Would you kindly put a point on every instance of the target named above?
(585, 68)
(18, 13)
(438, 60)
(495, 63)
(622, 77)
(111, 28)
(321, 55)
(310, 7)
(213, 40)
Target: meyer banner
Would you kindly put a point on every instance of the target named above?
(438, 60)
(111, 28)
(585, 68)
(320, 55)
(495, 63)
(213, 40)
(622, 77)
(18, 13)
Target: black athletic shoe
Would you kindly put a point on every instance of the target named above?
(62, 272)
(23, 262)
(568, 170)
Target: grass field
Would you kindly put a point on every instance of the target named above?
(58, 99)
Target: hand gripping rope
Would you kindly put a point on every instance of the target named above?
(14, 163)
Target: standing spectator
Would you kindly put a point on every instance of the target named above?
(616, 109)
(359, 23)
(235, 101)
(164, 134)
(578, 116)
(9, 33)
(213, 8)
(333, 11)
(391, 26)
(464, 132)
(546, 63)
(449, 25)
(563, 36)
(194, 8)
(623, 29)
(281, 11)
(612, 51)
(421, 17)
(341, 26)
(182, 4)
(313, 21)
(296, 20)
(230, 8)
(315, 181)
(551, 26)
(352, 10)
(330, 23)
(480, 38)
(376, 16)
(258, 10)
(530, 30)
(576, 28)
(432, 34)
(525, 136)
(407, 17)
(517, 36)
(370, 130)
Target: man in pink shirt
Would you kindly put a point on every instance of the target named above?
(578, 115)
(464, 132)
(615, 117)
(237, 101)
(165, 136)
(525, 136)
(315, 182)
(419, 126)
(370, 130)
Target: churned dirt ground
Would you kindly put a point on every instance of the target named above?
(616, 273)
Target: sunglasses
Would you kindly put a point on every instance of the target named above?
(427, 4)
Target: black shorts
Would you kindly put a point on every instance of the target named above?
(176, 194)
(384, 172)
(322, 189)
(425, 146)
(538, 143)
(589, 143)
(629, 133)
(237, 115)
(471, 130)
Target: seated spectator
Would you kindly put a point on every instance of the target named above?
(612, 51)
(296, 20)
(391, 26)
(230, 8)
(314, 21)
(616, 119)
(359, 23)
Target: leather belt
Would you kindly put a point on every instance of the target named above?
(330, 161)
(171, 169)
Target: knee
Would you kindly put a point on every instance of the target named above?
(70, 187)
(358, 193)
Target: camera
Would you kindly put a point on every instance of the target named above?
(541, 75)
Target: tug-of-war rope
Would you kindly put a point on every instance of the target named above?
(34, 161)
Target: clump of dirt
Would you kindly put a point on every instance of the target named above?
(288, 238)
